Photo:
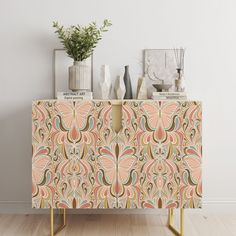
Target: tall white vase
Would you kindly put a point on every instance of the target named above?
(79, 73)
(105, 83)
(120, 88)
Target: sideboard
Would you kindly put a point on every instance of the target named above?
(116, 154)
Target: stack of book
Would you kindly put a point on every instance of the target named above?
(80, 95)
(169, 96)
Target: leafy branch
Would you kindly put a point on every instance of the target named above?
(80, 41)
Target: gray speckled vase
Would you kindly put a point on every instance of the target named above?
(127, 81)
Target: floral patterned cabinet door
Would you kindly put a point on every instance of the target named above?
(72, 160)
(160, 152)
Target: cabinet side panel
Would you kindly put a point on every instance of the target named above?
(42, 155)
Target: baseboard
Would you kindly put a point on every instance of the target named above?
(208, 206)
(219, 205)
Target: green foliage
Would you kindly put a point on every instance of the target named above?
(80, 41)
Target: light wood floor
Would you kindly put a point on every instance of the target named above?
(118, 225)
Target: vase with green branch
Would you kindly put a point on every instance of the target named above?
(79, 43)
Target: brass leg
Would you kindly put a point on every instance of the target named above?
(51, 222)
(52, 233)
(171, 219)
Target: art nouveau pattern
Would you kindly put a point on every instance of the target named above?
(78, 161)
(163, 169)
(73, 147)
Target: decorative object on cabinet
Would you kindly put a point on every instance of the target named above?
(105, 83)
(160, 66)
(179, 82)
(162, 87)
(79, 43)
(79, 159)
(61, 62)
(179, 58)
(82, 95)
(120, 87)
(128, 86)
(142, 89)
(78, 75)
(169, 96)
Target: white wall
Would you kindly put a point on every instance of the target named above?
(206, 28)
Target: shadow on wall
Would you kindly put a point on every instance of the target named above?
(15, 155)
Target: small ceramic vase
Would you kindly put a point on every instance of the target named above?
(180, 82)
(120, 88)
(142, 89)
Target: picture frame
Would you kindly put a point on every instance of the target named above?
(160, 67)
(159, 64)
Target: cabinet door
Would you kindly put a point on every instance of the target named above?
(80, 162)
(159, 161)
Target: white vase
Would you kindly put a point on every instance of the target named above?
(120, 88)
(180, 83)
(105, 83)
(142, 89)
(79, 73)
(182, 86)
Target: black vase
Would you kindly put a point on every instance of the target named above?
(127, 82)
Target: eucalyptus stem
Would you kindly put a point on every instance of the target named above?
(80, 41)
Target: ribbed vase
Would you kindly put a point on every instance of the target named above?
(79, 73)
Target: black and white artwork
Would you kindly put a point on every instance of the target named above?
(160, 67)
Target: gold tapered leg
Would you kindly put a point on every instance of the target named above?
(52, 233)
(171, 219)
(51, 222)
